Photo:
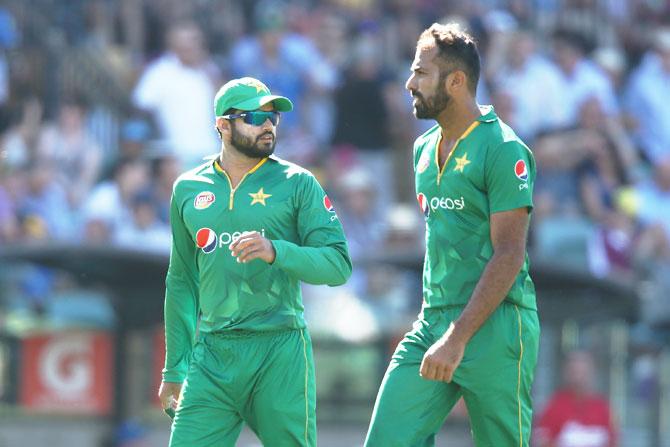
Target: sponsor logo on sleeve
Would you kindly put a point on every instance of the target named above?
(328, 205)
(204, 200)
(521, 171)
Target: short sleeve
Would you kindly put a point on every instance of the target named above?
(510, 176)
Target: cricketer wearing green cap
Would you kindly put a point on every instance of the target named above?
(247, 228)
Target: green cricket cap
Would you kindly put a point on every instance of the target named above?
(247, 94)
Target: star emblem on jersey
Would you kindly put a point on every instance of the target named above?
(461, 162)
(259, 197)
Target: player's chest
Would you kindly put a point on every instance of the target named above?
(251, 206)
(456, 186)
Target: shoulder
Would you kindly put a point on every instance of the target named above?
(501, 137)
(195, 178)
(292, 171)
(427, 136)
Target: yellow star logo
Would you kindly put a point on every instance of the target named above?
(461, 162)
(257, 84)
(259, 197)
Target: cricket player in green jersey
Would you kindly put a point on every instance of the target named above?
(477, 334)
(247, 228)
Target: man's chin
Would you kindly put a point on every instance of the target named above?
(422, 115)
(265, 151)
(420, 112)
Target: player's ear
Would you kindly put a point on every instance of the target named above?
(222, 125)
(456, 81)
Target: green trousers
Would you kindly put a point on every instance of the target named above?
(494, 378)
(263, 379)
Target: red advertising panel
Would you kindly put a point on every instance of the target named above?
(67, 372)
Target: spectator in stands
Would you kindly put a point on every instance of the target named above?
(289, 63)
(73, 155)
(581, 77)
(134, 136)
(9, 225)
(359, 211)
(145, 231)
(43, 209)
(9, 39)
(165, 169)
(19, 142)
(109, 206)
(565, 157)
(576, 415)
(362, 117)
(178, 89)
(649, 201)
(647, 98)
(534, 85)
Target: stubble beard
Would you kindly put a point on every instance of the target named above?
(430, 108)
(252, 148)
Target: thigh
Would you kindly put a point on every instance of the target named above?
(205, 416)
(498, 375)
(282, 407)
(410, 410)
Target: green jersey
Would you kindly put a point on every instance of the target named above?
(283, 202)
(489, 170)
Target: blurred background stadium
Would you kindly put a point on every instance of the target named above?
(104, 102)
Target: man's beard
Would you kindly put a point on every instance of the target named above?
(432, 107)
(252, 149)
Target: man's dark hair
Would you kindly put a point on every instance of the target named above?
(457, 50)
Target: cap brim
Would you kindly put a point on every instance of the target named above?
(281, 103)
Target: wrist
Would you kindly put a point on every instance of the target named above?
(275, 252)
(458, 332)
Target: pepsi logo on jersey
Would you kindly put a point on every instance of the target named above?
(520, 170)
(327, 204)
(433, 204)
(207, 240)
(423, 204)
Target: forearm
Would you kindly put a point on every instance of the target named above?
(314, 265)
(180, 324)
(491, 290)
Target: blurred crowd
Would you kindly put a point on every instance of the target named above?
(103, 103)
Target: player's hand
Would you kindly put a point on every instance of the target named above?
(169, 393)
(442, 359)
(251, 245)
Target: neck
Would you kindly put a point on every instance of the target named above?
(456, 118)
(234, 163)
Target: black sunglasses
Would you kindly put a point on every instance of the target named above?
(256, 118)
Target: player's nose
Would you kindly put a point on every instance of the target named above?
(409, 85)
